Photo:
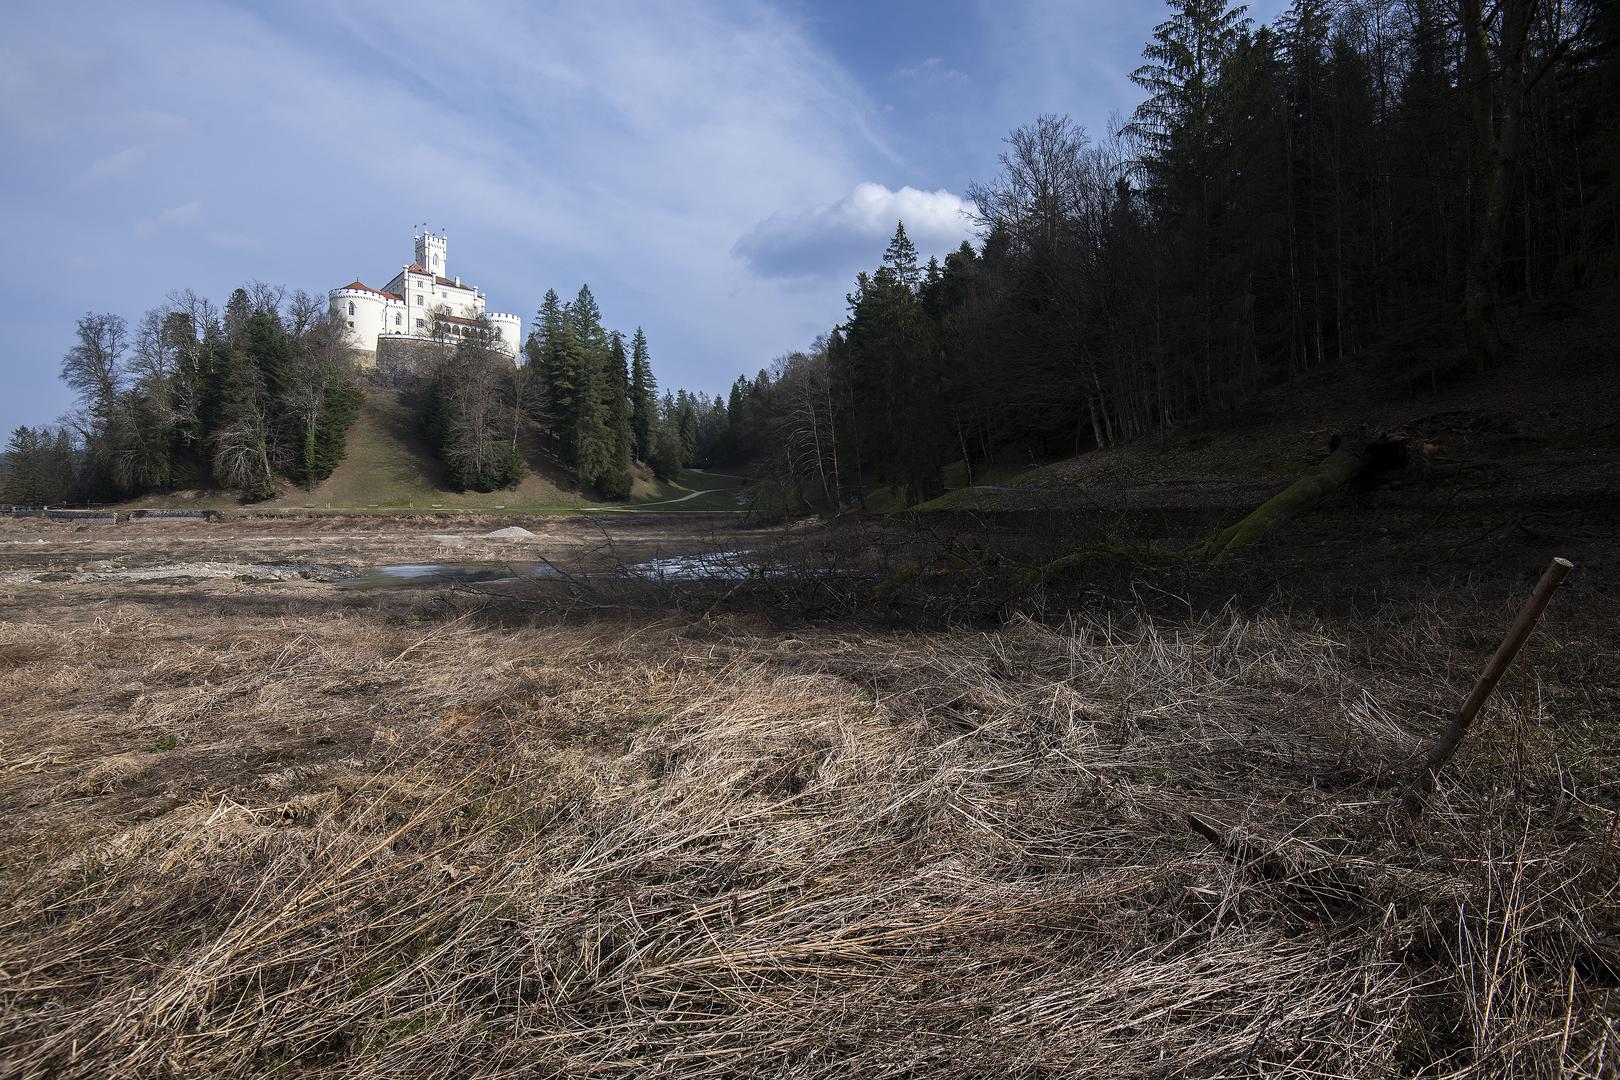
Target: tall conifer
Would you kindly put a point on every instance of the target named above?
(643, 397)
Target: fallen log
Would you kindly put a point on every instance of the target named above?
(1423, 782)
(1352, 456)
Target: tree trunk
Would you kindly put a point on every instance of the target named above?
(1496, 93)
(1353, 456)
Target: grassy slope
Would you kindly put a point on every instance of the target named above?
(390, 466)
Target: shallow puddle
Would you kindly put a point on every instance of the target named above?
(715, 565)
(406, 574)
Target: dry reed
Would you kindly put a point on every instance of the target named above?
(391, 838)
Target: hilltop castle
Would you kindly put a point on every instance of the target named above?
(421, 302)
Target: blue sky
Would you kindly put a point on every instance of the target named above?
(717, 170)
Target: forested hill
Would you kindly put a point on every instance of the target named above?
(259, 400)
(1367, 185)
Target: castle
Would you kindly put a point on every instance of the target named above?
(421, 302)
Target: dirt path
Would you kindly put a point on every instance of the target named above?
(683, 498)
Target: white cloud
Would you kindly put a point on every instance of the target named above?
(932, 73)
(175, 216)
(828, 240)
(115, 165)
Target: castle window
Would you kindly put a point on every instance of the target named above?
(351, 308)
(351, 324)
(419, 324)
(397, 317)
(418, 298)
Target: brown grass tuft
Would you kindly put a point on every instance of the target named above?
(290, 837)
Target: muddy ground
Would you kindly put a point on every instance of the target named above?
(332, 548)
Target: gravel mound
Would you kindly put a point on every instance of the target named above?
(511, 532)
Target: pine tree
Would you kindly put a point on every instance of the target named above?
(643, 397)
(686, 427)
(592, 434)
(22, 478)
(238, 310)
(733, 449)
(1182, 79)
(550, 349)
(901, 257)
(890, 357)
(1184, 159)
(38, 467)
(666, 451)
(615, 479)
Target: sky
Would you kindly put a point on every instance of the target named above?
(716, 170)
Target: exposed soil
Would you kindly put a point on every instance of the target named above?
(285, 548)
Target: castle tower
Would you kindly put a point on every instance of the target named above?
(432, 253)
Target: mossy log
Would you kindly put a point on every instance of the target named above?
(1352, 456)
(1138, 556)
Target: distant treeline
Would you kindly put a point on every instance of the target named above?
(1364, 178)
(245, 397)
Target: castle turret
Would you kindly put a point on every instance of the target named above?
(432, 253)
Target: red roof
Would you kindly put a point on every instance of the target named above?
(456, 319)
(415, 269)
(358, 284)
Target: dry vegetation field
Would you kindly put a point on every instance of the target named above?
(285, 828)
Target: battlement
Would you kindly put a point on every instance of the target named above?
(374, 294)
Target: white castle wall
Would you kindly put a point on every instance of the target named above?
(508, 333)
(366, 315)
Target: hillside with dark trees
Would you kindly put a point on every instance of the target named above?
(1365, 185)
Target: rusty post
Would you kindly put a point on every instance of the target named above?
(1423, 783)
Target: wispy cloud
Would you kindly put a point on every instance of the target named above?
(116, 165)
(173, 217)
(933, 73)
(829, 240)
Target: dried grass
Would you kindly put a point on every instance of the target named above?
(395, 839)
